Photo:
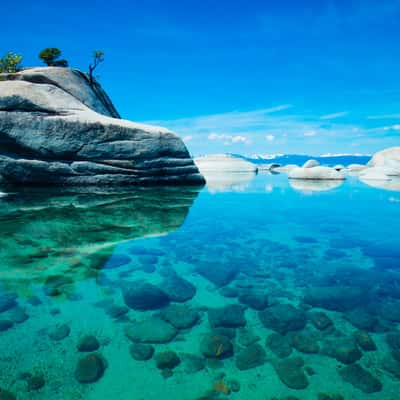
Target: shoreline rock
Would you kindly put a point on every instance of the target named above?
(57, 130)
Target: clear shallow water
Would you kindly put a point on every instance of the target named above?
(313, 276)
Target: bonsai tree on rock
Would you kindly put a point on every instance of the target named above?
(51, 55)
(97, 59)
(10, 63)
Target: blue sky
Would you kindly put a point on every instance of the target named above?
(234, 76)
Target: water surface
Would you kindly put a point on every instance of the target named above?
(249, 289)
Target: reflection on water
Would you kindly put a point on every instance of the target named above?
(47, 231)
(265, 293)
(309, 185)
(228, 181)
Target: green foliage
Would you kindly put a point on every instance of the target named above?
(10, 62)
(51, 55)
(97, 59)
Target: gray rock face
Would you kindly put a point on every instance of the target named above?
(57, 129)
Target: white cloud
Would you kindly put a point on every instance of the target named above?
(310, 133)
(335, 115)
(238, 128)
(187, 138)
(229, 139)
(392, 128)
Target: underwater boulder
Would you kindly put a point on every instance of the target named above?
(216, 346)
(6, 395)
(178, 289)
(7, 301)
(250, 357)
(320, 320)
(59, 332)
(290, 372)
(219, 274)
(230, 316)
(167, 360)
(335, 298)
(279, 345)
(360, 378)
(143, 296)
(150, 330)
(90, 368)
(180, 316)
(283, 318)
(141, 351)
(344, 349)
(254, 299)
(88, 343)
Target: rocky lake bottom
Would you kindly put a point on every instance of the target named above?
(255, 291)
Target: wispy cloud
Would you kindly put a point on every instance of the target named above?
(335, 115)
(229, 139)
(270, 138)
(274, 129)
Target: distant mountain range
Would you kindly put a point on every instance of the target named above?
(299, 159)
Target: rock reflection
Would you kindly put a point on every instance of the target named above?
(46, 232)
(308, 185)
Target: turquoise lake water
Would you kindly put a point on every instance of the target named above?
(247, 290)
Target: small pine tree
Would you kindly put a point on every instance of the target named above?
(51, 55)
(97, 59)
(10, 62)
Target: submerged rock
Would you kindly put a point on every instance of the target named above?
(5, 325)
(180, 316)
(178, 289)
(144, 296)
(167, 360)
(192, 362)
(88, 343)
(6, 395)
(360, 378)
(254, 299)
(90, 368)
(59, 332)
(141, 351)
(54, 135)
(216, 346)
(335, 298)
(250, 357)
(230, 316)
(365, 341)
(35, 382)
(279, 345)
(303, 342)
(283, 318)
(217, 273)
(344, 349)
(290, 372)
(7, 301)
(320, 320)
(151, 330)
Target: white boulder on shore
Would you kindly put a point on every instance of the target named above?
(316, 173)
(311, 164)
(224, 172)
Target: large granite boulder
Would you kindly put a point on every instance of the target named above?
(56, 128)
(383, 170)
